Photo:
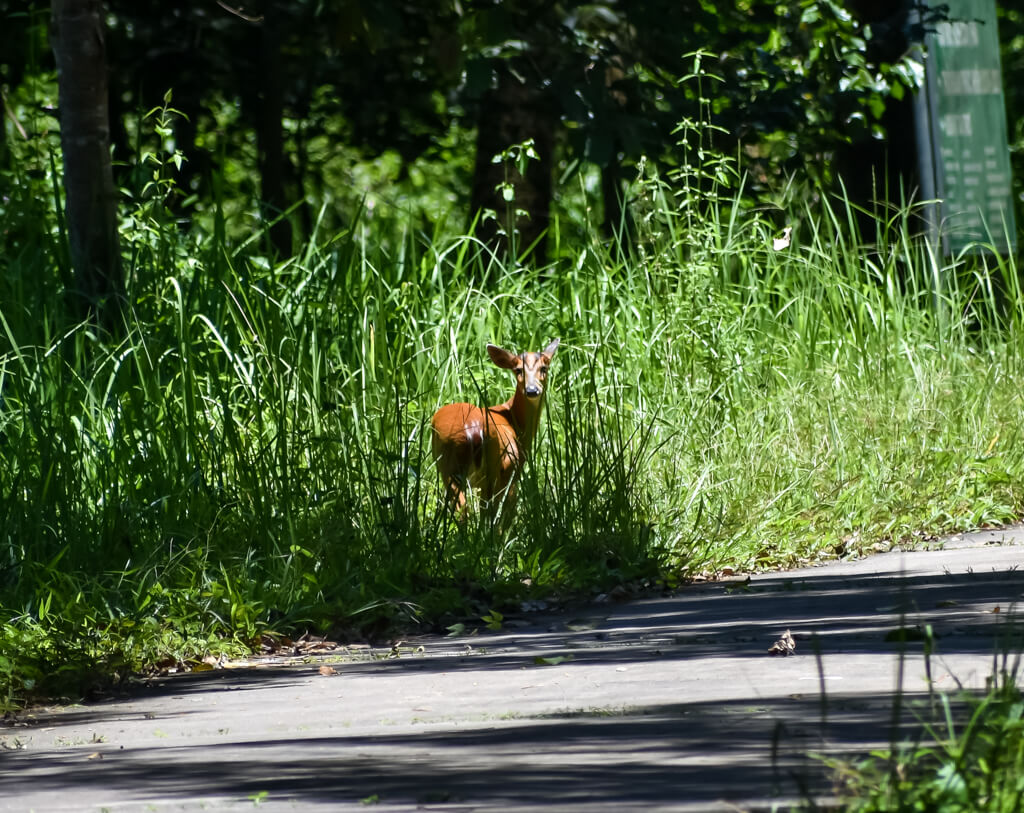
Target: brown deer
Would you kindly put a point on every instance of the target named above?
(485, 448)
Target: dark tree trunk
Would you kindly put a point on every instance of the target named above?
(3, 131)
(90, 196)
(878, 173)
(270, 135)
(513, 113)
(195, 172)
(617, 223)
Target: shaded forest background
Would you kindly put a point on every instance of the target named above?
(302, 114)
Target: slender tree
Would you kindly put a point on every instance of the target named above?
(90, 197)
(269, 127)
(518, 192)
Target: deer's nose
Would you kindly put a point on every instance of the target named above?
(532, 390)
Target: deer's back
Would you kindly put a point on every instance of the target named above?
(474, 443)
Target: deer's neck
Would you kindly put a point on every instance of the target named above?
(526, 415)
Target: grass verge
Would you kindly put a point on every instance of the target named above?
(966, 753)
(251, 452)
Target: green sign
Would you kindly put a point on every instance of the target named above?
(966, 116)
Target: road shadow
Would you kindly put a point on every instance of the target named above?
(650, 756)
(749, 750)
(966, 613)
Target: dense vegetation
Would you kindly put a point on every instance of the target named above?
(966, 756)
(246, 450)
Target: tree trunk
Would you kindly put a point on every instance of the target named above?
(90, 208)
(3, 130)
(617, 223)
(510, 114)
(270, 135)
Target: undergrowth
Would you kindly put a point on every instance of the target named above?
(964, 753)
(250, 454)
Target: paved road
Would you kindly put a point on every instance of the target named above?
(667, 703)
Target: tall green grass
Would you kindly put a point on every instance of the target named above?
(964, 755)
(252, 453)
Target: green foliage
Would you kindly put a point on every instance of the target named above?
(253, 454)
(800, 82)
(967, 757)
(749, 386)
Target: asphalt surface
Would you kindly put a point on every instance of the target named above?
(663, 703)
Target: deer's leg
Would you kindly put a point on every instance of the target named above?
(455, 497)
(508, 475)
(488, 501)
(508, 507)
(501, 498)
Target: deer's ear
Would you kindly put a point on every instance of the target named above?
(502, 357)
(549, 351)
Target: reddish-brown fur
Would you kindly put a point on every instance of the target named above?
(485, 448)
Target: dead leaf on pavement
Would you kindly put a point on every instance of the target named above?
(620, 593)
(328, 671)
(308, 644)
(784, 646)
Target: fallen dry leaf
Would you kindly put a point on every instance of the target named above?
(784, 646)
(312, 644)
(328, 671)
(992, 445)
(620, 593)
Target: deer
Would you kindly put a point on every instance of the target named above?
(484, 448)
